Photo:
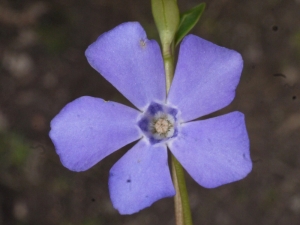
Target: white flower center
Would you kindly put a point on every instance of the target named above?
(162, 126)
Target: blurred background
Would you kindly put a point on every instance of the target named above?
(43, 67)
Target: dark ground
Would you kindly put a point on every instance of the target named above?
(43, 67)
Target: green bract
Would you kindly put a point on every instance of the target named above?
(166, 17)
(188, 20)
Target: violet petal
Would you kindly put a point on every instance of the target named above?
(214, 151)
(132, 63)
(88, 129)
(205, 79)
(140, 178)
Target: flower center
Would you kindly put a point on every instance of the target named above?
(162, 126)
(158, 123)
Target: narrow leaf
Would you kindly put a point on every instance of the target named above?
(188, 20)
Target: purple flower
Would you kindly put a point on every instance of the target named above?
(214, 151)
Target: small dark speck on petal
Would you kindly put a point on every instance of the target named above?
(93, 200)
(147, 196)
(128, 181)
(294, 97)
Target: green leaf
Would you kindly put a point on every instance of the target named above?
(188, 20)
(166, 17)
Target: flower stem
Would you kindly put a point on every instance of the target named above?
(182, 205)
(181, 200)
(168, 55)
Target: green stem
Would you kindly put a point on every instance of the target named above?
(168, 56)
(184, 203)
(182, 207)
(177, 198)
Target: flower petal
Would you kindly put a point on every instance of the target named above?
(88, 129)
(205, 79)
(132, 63)
(140, 178)
(214, 151)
